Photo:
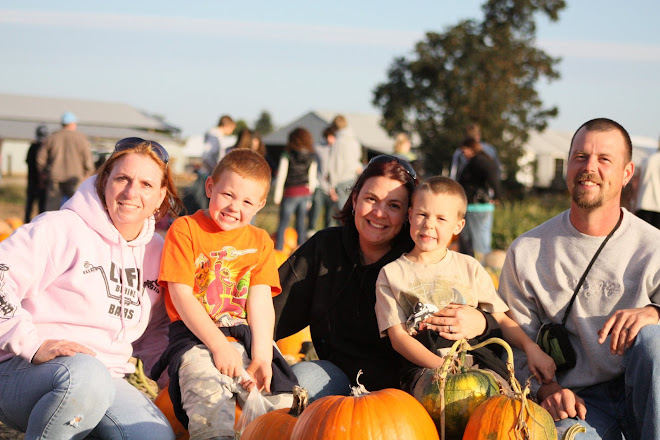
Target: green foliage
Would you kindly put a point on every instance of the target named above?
(240, 126)
(514, 218)
(474, 72)
(264, 124)
(12, 194)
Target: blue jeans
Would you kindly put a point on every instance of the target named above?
(321, 378)
(630, 404)
(343, 190)
(75, 397)
(479, 226)
(289, 206)
(321, 201)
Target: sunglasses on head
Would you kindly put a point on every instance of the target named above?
(132, 142)
(387, 158)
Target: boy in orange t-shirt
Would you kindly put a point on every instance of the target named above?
(220, 275)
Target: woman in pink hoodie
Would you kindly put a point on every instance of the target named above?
(79, 296)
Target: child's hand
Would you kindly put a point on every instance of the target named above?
(262, 372)
(228, 361)
(540, 364)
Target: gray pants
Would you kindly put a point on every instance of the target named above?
(208, 396)
(59, 192)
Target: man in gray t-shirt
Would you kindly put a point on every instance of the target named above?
(613, 324)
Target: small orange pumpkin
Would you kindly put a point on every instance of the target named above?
(503, 417)
(292, 345)
(278, 424)
(388, 414)
(506, 417)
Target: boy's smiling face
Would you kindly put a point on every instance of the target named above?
(234, 200)
(433, 221)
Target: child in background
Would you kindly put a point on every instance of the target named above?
(220, 275)
(455, 283)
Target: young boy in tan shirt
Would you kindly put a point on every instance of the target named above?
(455, 284)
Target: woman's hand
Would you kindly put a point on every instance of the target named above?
(456, 321)
(52, 348)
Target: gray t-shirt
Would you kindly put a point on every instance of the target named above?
(544, 265)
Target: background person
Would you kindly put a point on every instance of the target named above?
(296, 181)
(66, 334)
(345, 162)
(217, 140)
(36, 184)
(321, 200)
(481, 181)
(66, 160)
(613, 324)
(648, 190)
(329, 284)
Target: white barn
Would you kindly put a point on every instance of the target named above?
(103, 122)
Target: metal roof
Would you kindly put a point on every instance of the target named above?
(366, 127)
(20, 115)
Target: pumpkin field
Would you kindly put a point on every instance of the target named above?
(455, 401)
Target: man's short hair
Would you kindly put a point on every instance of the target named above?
(225, 120)
(604, 124)
(340, 122)
(443, 185)
(330, 130)
(246, 163)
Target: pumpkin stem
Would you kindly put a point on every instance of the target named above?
(515, 385)
(359, 390)
(300, 400)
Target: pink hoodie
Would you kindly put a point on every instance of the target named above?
(70, 275)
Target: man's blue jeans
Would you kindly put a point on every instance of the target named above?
(629, 405)
(321, 378)
(321, 202)
(479, 225)
(75, 397)
(289, 206)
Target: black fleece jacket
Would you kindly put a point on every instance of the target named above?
(326, 286)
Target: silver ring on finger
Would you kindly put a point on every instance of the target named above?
(451, 330)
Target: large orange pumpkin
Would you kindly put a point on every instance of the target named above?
(292, 345)
(278, 424)
(388, 414)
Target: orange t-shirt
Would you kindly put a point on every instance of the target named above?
(220, 266)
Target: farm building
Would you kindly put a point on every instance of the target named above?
(103, 122)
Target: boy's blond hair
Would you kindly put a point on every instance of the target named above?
(246, 163)
(444, 185)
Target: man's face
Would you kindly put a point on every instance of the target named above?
(597, 168)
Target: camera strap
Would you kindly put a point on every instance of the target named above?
(591, 263)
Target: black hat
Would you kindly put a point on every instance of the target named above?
(41, 132)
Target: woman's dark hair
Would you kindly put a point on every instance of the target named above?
(244, 139)
(390, 169)
(300, 140)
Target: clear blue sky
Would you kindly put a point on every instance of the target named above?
(195, 60)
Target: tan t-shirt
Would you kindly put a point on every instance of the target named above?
(457, 278)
